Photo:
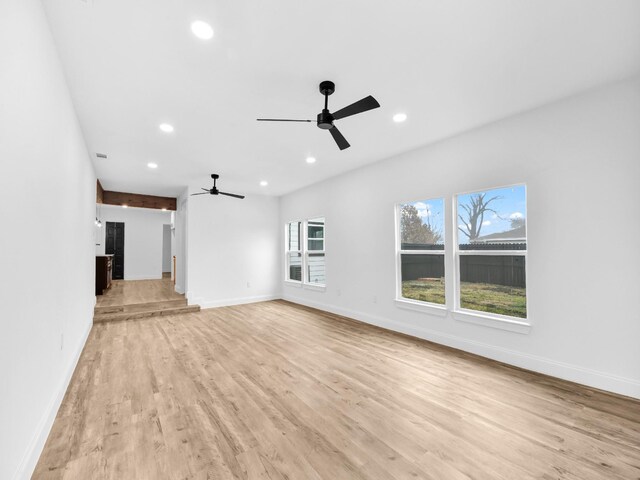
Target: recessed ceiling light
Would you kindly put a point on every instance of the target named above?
(311, 159)
(164, 209)
(264, 183)
(166, 128)
(399, 117)
(152, 165)
(202, 30)
(125, 205)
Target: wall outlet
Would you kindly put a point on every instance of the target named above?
(375, 299)
(61, 341)
(338, 292)
(248, 284)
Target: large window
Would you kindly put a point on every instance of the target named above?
(421, 251)
(487, 259)
(305, 253)
(491, 251)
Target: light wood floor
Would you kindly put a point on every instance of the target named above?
(126, 292)
(276, 391)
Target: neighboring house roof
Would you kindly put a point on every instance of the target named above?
(517, 235)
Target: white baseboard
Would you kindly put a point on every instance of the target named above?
(30, 459)
(233, 301)
(565, 371)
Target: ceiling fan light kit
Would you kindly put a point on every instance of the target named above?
(325, 118)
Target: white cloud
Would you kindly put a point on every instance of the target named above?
(516, 215)
(424, 209)
(486, 223)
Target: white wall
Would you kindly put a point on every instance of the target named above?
(47, 193)
(234, 250)
(166, 248)
(180, 218)
(143, 233)
(580, 159)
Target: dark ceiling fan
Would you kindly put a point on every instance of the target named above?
(215, 191)
(325, 118)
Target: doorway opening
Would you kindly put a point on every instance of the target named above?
(114, 245)
(166, 251)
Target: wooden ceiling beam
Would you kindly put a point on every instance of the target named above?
(137, 200)
(99, 192)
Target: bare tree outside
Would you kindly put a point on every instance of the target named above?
(473, 216)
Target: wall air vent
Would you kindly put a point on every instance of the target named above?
(101, 155)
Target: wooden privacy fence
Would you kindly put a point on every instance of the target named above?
(422, 266)
(507, 270)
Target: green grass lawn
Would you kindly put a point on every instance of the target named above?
(424, 291)
(483, 297)
(487, 297)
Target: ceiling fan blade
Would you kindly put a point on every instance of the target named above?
(206, 189)
(231, 195)
(281, 120)
(337, 136)
(367, 103)
(200, 193)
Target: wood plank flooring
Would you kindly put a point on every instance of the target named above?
(126, 292)
(277, 391)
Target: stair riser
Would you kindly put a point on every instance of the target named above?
(137, 307)
(117, 317)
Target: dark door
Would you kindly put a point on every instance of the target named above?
(114, 245)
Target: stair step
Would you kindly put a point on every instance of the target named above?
(133, 315)
(141, 307)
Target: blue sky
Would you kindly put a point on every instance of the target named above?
(511, 204)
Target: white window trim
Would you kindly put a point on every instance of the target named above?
(422, 307)
(407, 303)
(307, 284)
(452, 255)
(494, 320)
(304, 255)
(287, 252)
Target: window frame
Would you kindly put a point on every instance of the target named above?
(307, 252)
(304, 254)
(287, 252)
(409, 303)
(452, 254)
(477, 316)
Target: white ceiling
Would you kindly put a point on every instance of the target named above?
(450, 65)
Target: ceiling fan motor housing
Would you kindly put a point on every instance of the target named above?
(325, 120)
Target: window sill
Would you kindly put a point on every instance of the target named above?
(316, 288)
(517, 326)
(421, 307)
(292, 283)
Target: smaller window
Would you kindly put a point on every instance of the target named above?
(421, 251)
(294, 252)
(315, 252)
